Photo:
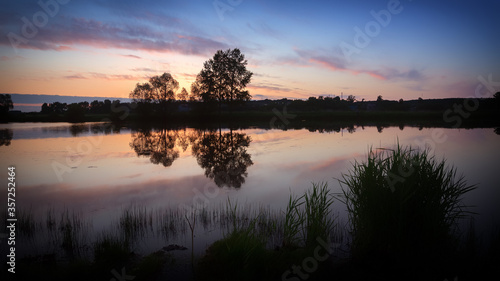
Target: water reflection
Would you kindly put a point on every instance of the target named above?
(223, 155)
(6, 137)
(158, 145)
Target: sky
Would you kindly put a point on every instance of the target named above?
(296, 49)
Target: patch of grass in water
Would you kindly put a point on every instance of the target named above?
(403, 204)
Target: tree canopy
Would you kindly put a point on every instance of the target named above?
(159, 89)
(5, 103)
(223, 78)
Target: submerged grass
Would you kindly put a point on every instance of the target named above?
(403, 203)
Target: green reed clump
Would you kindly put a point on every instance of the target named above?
(309, 215)
(318, 217)
(242, 253)
(294, 220)
(403, 202)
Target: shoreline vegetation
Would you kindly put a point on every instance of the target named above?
(285, 113)
(404, 209)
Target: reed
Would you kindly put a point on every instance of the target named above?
(402, 203)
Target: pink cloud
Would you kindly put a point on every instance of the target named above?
(64, 36)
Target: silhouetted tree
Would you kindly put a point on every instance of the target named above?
(163, 88)
(497, 95)
(183, 95)
(106, 108)
(159, 146)
(5, 103)
(75, 113)
(5, 106)
(351, 98)
(223, 78)
(379, 98)
(143, 93)
(143, 96)
(224, 157)
(193, 96)
(46, 109)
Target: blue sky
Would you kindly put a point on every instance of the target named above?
(296, 49)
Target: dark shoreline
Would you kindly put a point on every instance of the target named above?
(288, 119)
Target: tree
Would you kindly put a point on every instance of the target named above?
(46, 108)
(497, 95)
(143, 93)
(223, 78)
(183, 95)
(75, 113)
(379, 98)
(163, 88)
(351, 98)
(5, 103)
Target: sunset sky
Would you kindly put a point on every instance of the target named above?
(295, 49)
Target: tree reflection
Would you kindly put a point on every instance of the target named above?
(224, 157)
(5, 137)
(158, 145)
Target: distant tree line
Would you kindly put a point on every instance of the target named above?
(75, 112)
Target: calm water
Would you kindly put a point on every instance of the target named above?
(98, 170)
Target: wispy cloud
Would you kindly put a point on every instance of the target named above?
(68, 33)
(334, 62)
(7, 58)
(270, 88)
(96, 75)
(131, 56)
(263, 28)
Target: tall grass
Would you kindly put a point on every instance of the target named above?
(294, 221)
(308, 217)
(403, 202)
(318, 217)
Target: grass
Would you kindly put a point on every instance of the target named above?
(243, 254)
(403, 204)
(319, 221)
(403, 207)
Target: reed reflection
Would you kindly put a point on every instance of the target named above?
(223, 155)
